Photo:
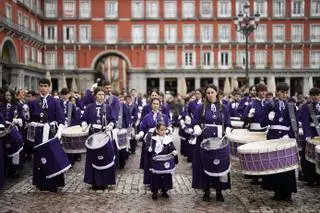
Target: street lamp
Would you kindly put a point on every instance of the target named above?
(246, 24)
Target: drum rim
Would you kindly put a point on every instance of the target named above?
(78, 134)
(100, 133)
(317, 149)
(44, 143)
(312, 140)
(269, 172)
(169, 157)
(291, 143)
(232, 138)
(222, 147)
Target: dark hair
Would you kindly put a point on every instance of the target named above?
(44, 81)
(155, 99)
(96, 90)
(314, 91)
(251, 88)
(212, 87)
(156, 91)
(282, 86)
(127, 96)
(160, 123)
(13, 96)
(261, 87)
(64, 91)
(31, 92)
(106, 83)
(269, 93)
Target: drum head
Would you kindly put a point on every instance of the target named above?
(162, 157)
(214, 143)
(74, 131)
(247, 137)
(318, 149)
(97, 140)
(315, 140)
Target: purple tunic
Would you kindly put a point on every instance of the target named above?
(147, 108)
(244, 102)
(256, 123)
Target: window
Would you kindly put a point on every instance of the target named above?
(224, 33)
(206, 8)
(39, 57)
(188, 33)
(241, 59)
(50, 33)
(69, 60)
(85, 33)
(224, 59)
(297, 8)
(26, 21)
(33, 55)
(189, 59)
(224, 8)
(26, 55)
(188, 9)
(170, 33)
(315, 8)
(137, 34)
(137, 9)
(207, 59)
(152, 9)
(85, 9)
(260, 33)
(278, 59)
(111, 34)
(206, 33)
(8, 11)
(51, 9)
(51, 60)
(241, 37)
(39, 29)
(69, 33)
(69, 9)
(240, 6)
(278, 33)
(170, 9)
(315, 32)
(260, 59)
(152, 33)
(297, 59)
(152, 59)
(315, 59)
(296, 33)
(261, 7)
(20, 18)
(111, 9)
(278, 8)
(170, 59)
(32, 25)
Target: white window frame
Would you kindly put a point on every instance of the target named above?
(205, 62)
(48, 38)
(170, 33)
(85, 9)
(84, 39)
(32, 25)
(111, 9)
(279, 12)
(140, 13)
(111, 33)
(152, 63)
(190, 63)
(240, 6)
(278, 36)
(241, 59)
(227, 34)
(39, 30)
(315, 59)
(188, 11)
(53, 60)
(26, 55)
(206, 9)
(296, 38)
(170, 9)
(315, 8)
(257, 59)
(50, 9)
(257, 8)
(188, 38)
(277, 61)
(39, 57)
(72, 36)
(293, 62)
(20, 18)
(315, 36)
(33, 55)
(139, 29)
(293, 14)
(69, 12)
(69, 64)
(224, 65)
(152, 9)
(260, 33)
(206, 33)
(26, 21)
(8, 11)
(241, 37)
(226, 12)
(170, 59)
(153, 32)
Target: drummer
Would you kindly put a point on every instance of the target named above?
(310, 131)
(161, 144)
(246, 99)
(233, 106)
(133, 109)
(100, 118)
(210, 120)
(46, 110)
(2, 132)
(277, 116)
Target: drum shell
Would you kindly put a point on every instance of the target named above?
(121, 139)
(13, 142)
(216, 162)
(163, 164)
(310, 150)
(318, 159)
(31, 131)
(52, 159)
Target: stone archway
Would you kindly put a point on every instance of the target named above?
(113, 66)
(8, 55)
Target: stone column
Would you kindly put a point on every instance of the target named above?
(306, 86)
(197, 83)
(17, 78)
(161, 85)
(216, 82)
(251, 81)
(287, 80)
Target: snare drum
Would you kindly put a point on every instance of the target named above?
(51, 158)
(215, 156)
(238, 137)
(318, 159)
(163, 164)
(13, 142)
(31, 131)
(236, 122)
(311, 143)
(100, 151)
(73, 139)
(121, 139)
(268, 157)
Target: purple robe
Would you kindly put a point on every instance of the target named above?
(233, 109)
(244, 102)
(256, 123)
(147, 108)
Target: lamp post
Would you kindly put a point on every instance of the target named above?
(246, 24)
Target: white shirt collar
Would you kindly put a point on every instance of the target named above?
(165, 140)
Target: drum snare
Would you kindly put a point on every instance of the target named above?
(73, 139)
(311, 143)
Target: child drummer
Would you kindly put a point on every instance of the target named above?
(161, 144)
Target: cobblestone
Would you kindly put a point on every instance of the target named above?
(130, 195)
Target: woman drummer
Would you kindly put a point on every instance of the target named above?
(100, 117)
(147, 125)
(210, 120)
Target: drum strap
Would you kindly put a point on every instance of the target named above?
(120, 117)
(314, 118)
(293, 119)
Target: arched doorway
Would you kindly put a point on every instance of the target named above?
(113, 66)
(8, 56)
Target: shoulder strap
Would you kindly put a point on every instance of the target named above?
(70, 105)
(314, 118)
(220, 106)
(293, 119)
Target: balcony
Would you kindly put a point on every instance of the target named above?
(33, 7)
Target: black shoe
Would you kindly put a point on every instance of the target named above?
(55, 190)
(276, 197)
(165, 194)
(287, 198)
(206, 196)
(219, 196)
(155, 196)
(95, 187)
(255, 181)
(311, 183)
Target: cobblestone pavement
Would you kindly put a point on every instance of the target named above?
(130, 195)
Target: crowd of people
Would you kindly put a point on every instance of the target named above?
(32, 124)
